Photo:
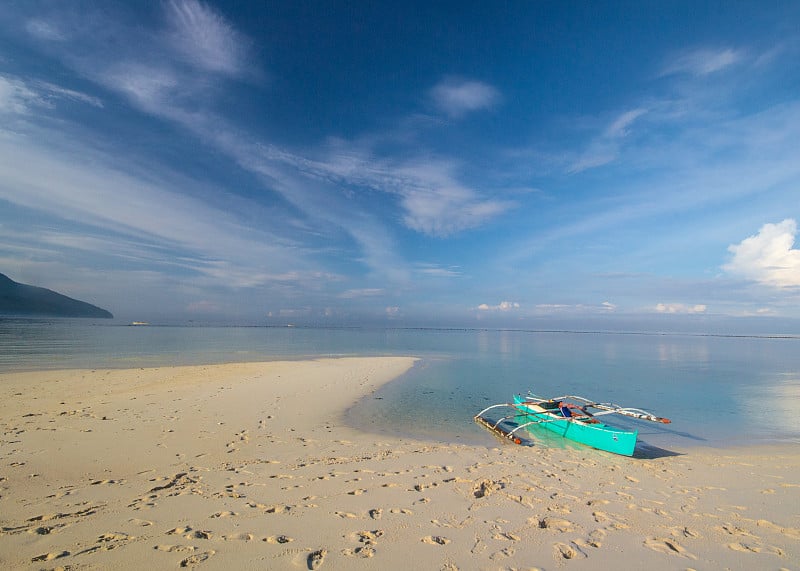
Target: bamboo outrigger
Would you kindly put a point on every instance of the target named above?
(568, 416)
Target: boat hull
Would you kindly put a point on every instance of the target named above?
(598, 435)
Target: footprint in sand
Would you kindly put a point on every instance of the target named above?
(751, 548)
(368, 537)
(597, 502)
(50, 556)
(565, 551)
(589, 542)
(435, 540)
(788, 531)
(238, 537)
(174, 548)
(256, 505)
(199, 534)
(41, 530)
(562, 525)
(734, 530)
(193, 560)
(317, 558)
(687, 532)
(365, 551)
(278, 539)
(376, 513)
(484, 488)
(106, 537)
(612, 521)
(667, 546)
(502, 554)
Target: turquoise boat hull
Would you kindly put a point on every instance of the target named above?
(596, 435)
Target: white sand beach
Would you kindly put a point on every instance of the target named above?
(250, 466)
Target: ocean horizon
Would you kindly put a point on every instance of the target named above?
(719, 389)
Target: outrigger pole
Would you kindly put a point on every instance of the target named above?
(607, 408)
(497, 429)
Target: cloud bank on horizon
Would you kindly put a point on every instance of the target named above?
(202, 160)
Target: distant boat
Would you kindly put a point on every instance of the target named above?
(139, 323)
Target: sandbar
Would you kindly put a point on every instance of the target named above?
(252, 465)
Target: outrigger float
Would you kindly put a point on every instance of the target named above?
(568, 416)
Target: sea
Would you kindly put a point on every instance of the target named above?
(719, 391)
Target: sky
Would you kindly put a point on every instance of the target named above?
(497, 164)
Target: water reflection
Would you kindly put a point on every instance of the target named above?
(696, 352)
(776, 406)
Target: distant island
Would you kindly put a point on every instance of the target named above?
(25, 300)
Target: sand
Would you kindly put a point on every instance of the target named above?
(251, 466)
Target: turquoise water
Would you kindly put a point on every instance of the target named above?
(718, 391)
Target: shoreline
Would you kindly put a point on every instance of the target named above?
(244, 464)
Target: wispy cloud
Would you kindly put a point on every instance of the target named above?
(158, 83)
(44, 30)
(16, 97)
(680, 308)
(433, 199)
(456, 97)
(605, 148)
(768, 257)
(362, 292)
(159, 218)
(205, 39)
(703, 61)
(438, 271)
(21, 97)
(502, 306)
(437, 204)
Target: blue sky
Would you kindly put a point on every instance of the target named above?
(411, 163)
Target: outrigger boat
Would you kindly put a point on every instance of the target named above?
(568, 416)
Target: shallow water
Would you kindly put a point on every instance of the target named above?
(718, 391)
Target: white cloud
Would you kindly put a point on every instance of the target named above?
(204, 38)
(139, 219)
(502, 306)
(619, 127)
(439, 272)
(61, 92)
(149, 87)
(605, 148)
(44, 30)
(680, 308)
(768, 257)
(456, 97)
(437, 205)
(362, 292)
(433, 199)
(574, 309)
(16, 96)
(703, 62)
(21, 97)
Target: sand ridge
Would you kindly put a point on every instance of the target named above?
(250, 466)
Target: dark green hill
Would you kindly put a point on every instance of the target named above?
(22, 299)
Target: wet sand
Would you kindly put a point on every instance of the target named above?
(251, 466)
